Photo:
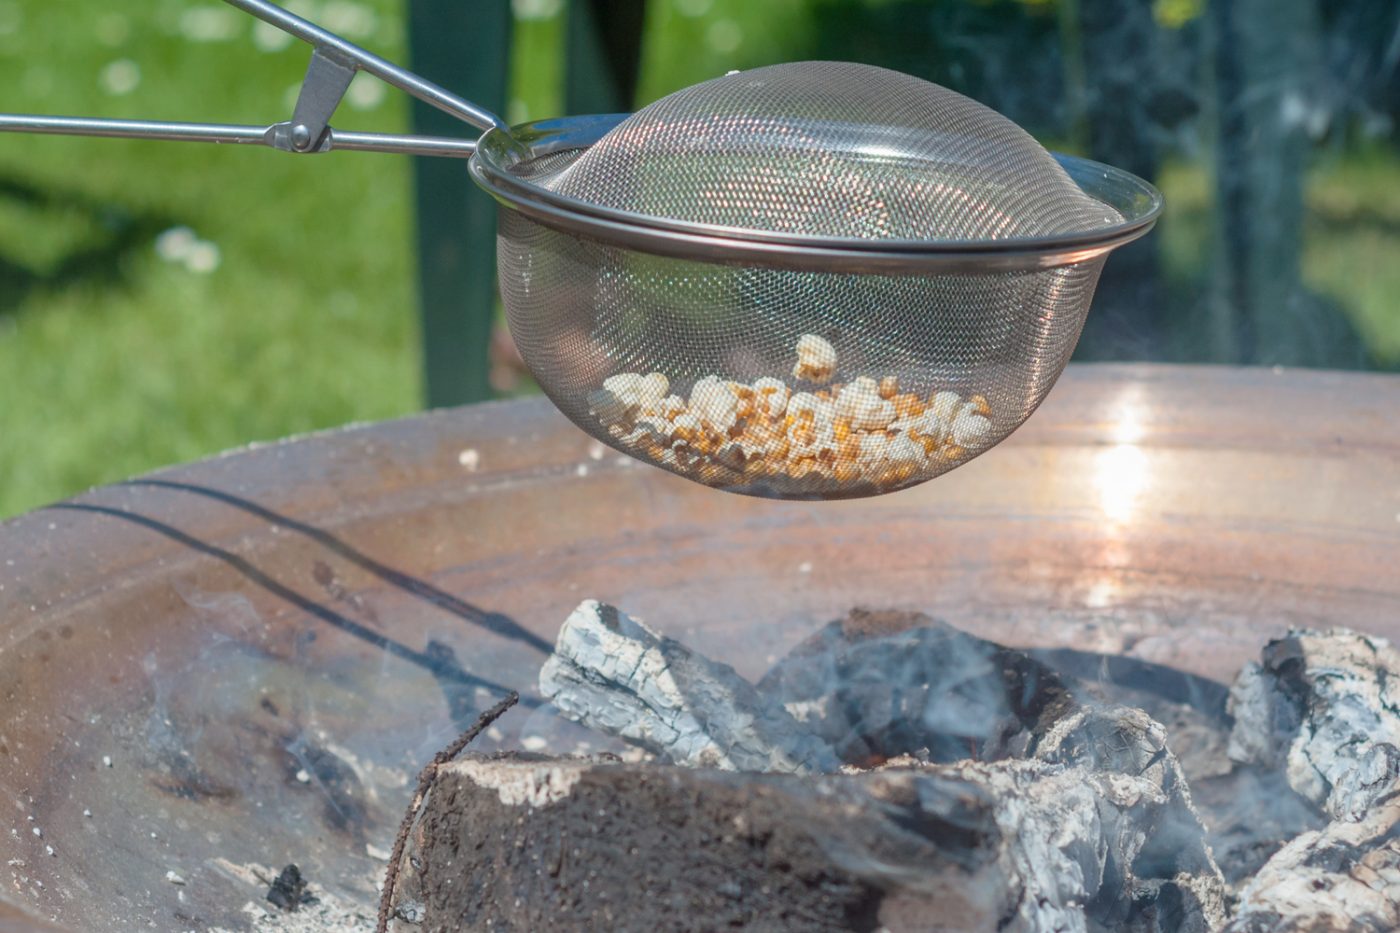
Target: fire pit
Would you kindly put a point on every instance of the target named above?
(226, 668)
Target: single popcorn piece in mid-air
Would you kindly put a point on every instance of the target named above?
(768, 437)
(816, 359)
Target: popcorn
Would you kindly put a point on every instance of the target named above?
(806, 404)
(861, 404)
(770, 396)
(814, 439)
(969, 430)
(686, 425)
(607, 407)
(625, 395)
(637, 391)
(766, 437)
(623, 385)
(668, 408)
(715, 402)
(946, 405)
(816, 359)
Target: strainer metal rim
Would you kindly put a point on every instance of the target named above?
(1136, 200)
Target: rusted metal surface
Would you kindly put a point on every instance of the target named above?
(267, 645)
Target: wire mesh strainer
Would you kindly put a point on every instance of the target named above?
(812, 280)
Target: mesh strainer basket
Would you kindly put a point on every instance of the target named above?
(813, 280)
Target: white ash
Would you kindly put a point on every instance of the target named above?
(1342, 878)
(327, 913)
(1373, 778)
(1191, 708)
(1022, 842)
(521, 783)
(1314, 705)
(1099, 827)
(1103, 816)
(1150, 824)
(1053, 847)
(613, 673)
(1250, 814)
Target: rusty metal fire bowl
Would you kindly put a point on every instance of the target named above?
(246, 660)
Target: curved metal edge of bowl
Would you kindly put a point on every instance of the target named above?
(1180, 515)
(1135, 199)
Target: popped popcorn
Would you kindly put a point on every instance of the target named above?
(771, 396)
(716, 403)
(861, 404)
(769, 436)
(816, 359)
(969, 429)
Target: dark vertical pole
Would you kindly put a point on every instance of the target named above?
(464, 47)
(1229, 293)
(604, 54)
(1266, 59)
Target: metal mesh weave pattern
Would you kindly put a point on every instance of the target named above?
(832, 149)
(788, 383)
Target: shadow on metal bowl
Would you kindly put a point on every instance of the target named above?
(226, 667)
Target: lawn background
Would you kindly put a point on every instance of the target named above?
(162, 302)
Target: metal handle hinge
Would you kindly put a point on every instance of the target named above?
(328, 76)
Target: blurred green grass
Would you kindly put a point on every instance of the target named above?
(1351, 243)
(114, 360)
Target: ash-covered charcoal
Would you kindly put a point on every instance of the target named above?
(523, 842)
(1249, 814)
(613, 673)
(1372, 779)
(1344, 878)
(1192, 708)
(1024, 796)
(1314, 704)
(879, 684)
(288, 890)
(1166, 877)
(1098, 832)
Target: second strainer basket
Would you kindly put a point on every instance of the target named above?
(813, 280)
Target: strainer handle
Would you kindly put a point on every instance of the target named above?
(334, 47)
(334, 62)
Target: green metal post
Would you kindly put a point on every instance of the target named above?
(604, 54)
(464, 47)
(1267, 59)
